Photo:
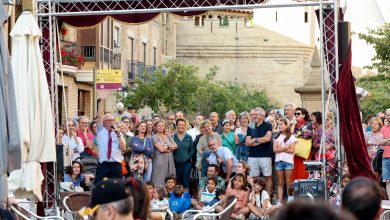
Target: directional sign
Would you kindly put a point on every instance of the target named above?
(109, 79)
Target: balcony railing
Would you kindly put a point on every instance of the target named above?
(88, 52)
(138, 70)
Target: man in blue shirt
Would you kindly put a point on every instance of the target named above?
(258, 139)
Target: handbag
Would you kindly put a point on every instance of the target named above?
(303, 147)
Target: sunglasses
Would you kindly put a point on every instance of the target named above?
(297, 113)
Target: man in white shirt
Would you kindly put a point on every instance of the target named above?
(222, 155)
(193, 132)
(111, 144)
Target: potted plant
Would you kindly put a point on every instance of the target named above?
(72, 58)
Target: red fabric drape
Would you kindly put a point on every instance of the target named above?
(351, 130)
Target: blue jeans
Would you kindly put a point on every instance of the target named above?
(183, 173)
(282, 165)
(242, 153)
(205, 165)
(386, 168)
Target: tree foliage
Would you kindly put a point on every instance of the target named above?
(182, 89)
(380, 39)
(379, 88)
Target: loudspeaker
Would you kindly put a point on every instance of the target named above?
(64, 157)
(344, 34)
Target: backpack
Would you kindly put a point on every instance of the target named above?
(377, 162)
(180, 204)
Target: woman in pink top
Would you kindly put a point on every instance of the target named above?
(386, 152)
(284, 146)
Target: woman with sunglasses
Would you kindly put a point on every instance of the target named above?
(303, 129)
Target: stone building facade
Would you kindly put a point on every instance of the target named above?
(246, 54)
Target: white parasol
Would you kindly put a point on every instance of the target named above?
(34, 107)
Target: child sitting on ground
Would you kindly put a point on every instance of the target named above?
(239, 188)
(179, 201)
(259, 201)
(170, 183)
(208, 197)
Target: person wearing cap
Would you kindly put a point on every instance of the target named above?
(110, 201)
(120, 112)
(131, 112)
(111, 144)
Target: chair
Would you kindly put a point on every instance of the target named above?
(75, 201)
(22, 213)
(385, 215)
(209, 213)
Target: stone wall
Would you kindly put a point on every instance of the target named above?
(253, 56)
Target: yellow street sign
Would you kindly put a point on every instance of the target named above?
(109, 76)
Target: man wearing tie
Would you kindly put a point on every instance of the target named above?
(111, 144)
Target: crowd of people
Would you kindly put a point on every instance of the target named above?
(193, 164)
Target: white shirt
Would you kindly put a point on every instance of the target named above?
(283, 156)
(76, 148)
(102, 140)
(260, 199)
(193, 132)
(226, 154)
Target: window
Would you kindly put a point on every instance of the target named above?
(81, 103)
(276, 16)
(154, 56)
(199, 21)
(306, 17)
(116, 36)
(223, 21)
(144, 45)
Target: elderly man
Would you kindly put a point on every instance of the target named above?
(260, 148)
(289, 110)
(221, 155)
(110, 201)
(111, 144)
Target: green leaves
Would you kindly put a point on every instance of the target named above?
(379, 88)
(182, 89)
(380, 39)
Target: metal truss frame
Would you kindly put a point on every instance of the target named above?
(48, 11)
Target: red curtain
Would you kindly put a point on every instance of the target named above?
(351, 130)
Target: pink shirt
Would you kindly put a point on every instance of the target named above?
(240, 194)
(283, 156)
(386, 134)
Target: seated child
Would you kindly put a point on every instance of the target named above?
(179, 201)
(239, 188)
(208, 197)
(159, 201)
(259, 201)
(170, 183)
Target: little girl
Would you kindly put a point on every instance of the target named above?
(284, 146)
(259, 202)
(240, 190)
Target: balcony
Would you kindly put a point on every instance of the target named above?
(138, 70)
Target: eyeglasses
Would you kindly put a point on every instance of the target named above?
(297, 113)
(126, 122)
